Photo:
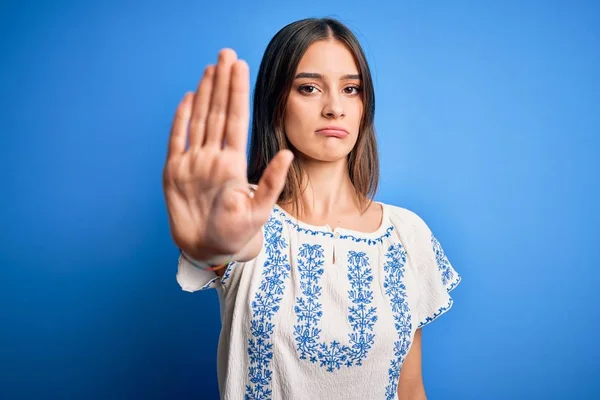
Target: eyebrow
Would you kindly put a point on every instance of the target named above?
(313, 75)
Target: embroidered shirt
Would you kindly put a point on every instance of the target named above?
(326, 313)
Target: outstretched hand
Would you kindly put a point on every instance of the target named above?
(205, 173)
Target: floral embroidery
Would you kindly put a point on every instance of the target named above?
(309, 311)
(375, 268)
(300, 229)
(442, 261)
(450, 279)
(329, 234)
(370, 242)
(265, 305)
(395, 289)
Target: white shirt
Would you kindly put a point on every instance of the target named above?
(297, 325)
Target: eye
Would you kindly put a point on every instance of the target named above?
(307, 89)
(352, 90)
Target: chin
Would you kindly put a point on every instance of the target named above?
(328, 150)
(327, 155)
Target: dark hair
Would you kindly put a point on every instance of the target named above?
(273, 84)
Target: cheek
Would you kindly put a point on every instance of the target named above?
(359, 110)
(290, 121)
(356, 112)
(292, 125)
(295, 118)
(291, 116)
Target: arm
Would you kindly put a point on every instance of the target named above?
(211, 212)
(410, 385)
(249, 252)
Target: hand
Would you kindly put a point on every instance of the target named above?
(205, 185)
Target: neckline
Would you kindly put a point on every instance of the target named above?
(383, 226)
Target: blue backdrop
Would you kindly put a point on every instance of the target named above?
(488, 123)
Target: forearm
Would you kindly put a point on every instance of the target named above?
(412, 391)
(247, 253)
(252, 249)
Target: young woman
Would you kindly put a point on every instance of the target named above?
(323, 290)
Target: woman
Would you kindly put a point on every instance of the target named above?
(323, 291)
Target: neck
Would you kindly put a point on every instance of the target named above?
(328, 190)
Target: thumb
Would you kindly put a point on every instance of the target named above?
(270, 185)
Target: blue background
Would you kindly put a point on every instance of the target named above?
(488, 120)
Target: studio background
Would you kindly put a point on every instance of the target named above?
(488, 122)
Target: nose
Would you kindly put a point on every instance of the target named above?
(333, 107)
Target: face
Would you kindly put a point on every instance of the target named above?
(324, 107)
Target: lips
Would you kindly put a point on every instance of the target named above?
(332, 131)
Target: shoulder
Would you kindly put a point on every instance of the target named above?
(405, 218)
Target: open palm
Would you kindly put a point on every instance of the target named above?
(205, 174)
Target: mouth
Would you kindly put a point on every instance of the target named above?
(333, 131)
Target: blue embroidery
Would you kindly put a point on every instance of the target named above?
(396, 291)
(370, 242)
(442, 261)
(227, 273)
(329, 234)
(439, 312)
(212, 284)
(300, 229)
(265, 305)
(309, 311)
(450, 279)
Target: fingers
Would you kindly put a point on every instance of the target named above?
(179, 128)
(238, 115)
(221, 102)
(217, 113)
(271, 184)
(201, 106)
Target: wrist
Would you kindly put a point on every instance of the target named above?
(208, 263)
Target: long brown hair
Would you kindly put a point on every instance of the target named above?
(273, 84)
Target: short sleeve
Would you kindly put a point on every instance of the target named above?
(193, 279)
(437, 278)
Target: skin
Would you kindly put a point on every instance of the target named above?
(410, 385)
(327, 92)
(204, 183)
(210, 212)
